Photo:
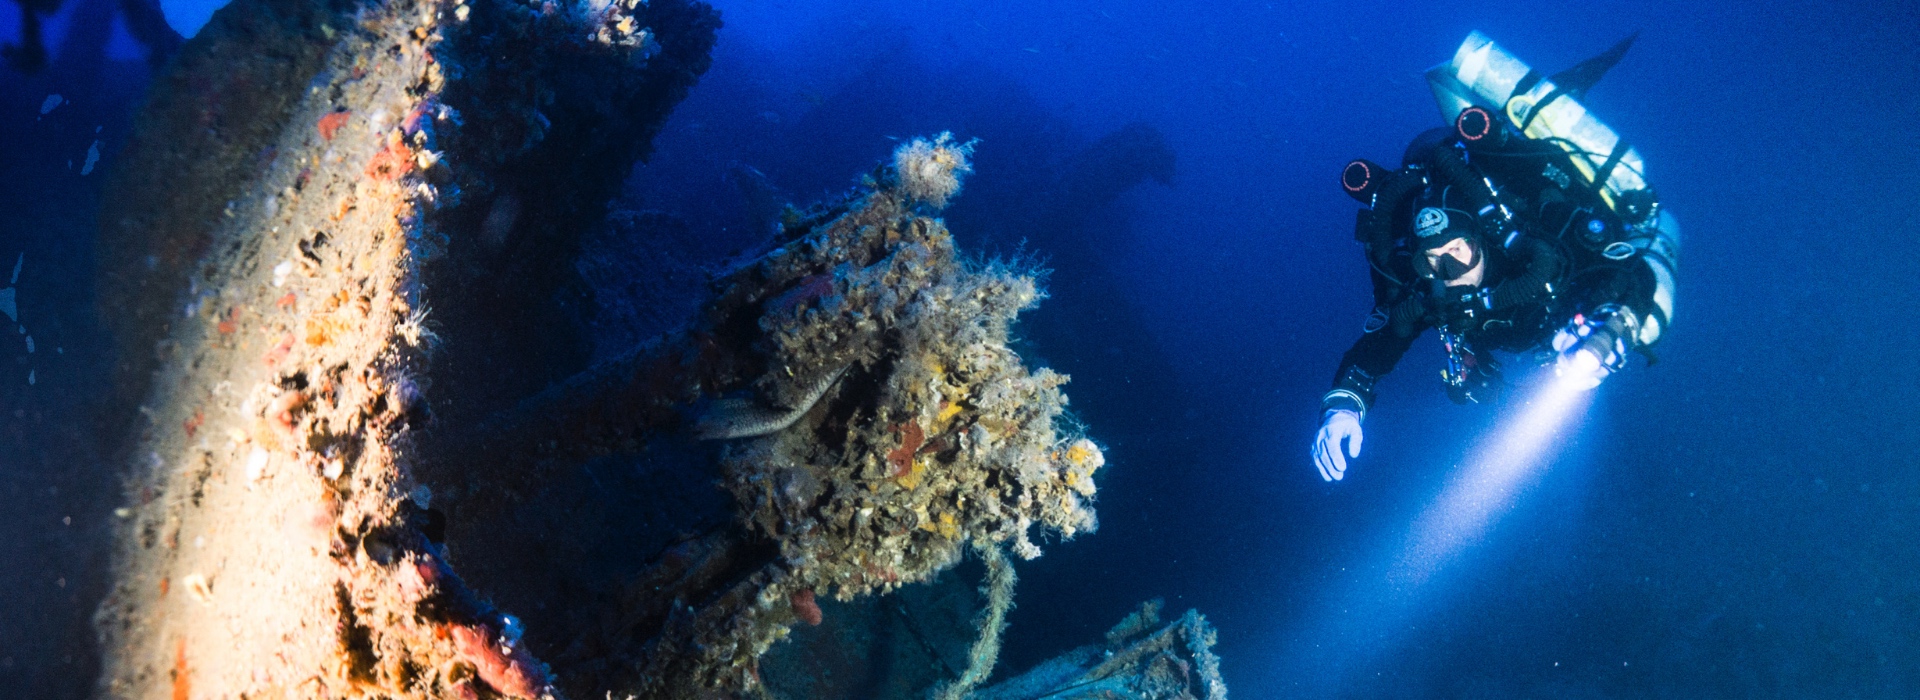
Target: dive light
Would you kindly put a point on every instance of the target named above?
(1478, 127)
(1592, 347)
(1361, 179)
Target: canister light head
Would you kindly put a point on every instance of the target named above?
(1361, 178)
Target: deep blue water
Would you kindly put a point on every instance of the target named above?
(1737, 520)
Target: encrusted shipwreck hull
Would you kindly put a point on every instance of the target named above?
(876, 426)
(298, 172)
(334, 493)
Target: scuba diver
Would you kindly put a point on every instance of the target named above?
(1526, 228)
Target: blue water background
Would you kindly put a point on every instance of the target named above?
(1737, 521)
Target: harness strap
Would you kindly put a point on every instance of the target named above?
(1527, 82)
(1557, 92)
(1600, 176)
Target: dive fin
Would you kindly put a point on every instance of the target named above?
(1576, 80)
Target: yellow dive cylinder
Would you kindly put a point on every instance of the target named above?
(1483, 74)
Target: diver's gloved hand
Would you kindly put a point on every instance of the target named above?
(1340, 424)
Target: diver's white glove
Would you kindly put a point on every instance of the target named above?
(1340, 424)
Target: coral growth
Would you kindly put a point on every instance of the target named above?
(504, 667)
(330, 124)
(941, 437)
(805, 607)
(930, 170)
(878, 426)
(901, 458)
(938, 438)
(392, 161)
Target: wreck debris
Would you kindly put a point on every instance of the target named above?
(912, 432)
(143, 21)
(890, 426)
(643, 281)
(1141, 659)
(927, 334)
(998, 589)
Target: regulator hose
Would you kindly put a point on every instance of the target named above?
(1454, 171)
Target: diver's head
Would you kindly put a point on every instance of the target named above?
(1447, 241)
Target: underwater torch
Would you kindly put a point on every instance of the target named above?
(1593, 346)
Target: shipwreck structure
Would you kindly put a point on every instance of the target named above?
(371, 459)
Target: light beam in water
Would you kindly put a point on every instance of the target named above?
(1368, 618)
(1494, 473)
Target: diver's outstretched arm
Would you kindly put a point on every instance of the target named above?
(1344, 406)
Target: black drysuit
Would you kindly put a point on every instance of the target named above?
(1533, 286)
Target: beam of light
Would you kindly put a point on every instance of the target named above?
(1498, 468)
(1377, 609)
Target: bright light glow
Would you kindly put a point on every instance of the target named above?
(1366, 616)
(1496, 470)
(1580, 371)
